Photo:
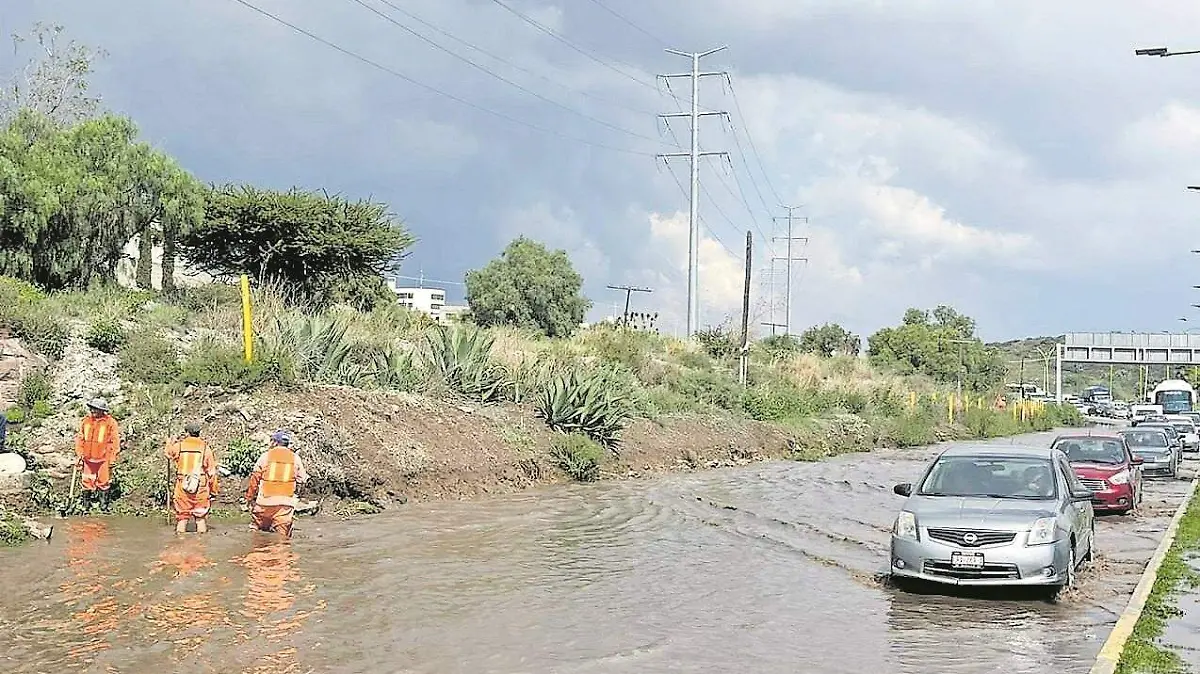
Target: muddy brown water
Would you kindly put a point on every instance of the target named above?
(769, 568)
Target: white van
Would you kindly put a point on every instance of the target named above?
(1138, 413)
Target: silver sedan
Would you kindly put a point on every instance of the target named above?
(994, 515)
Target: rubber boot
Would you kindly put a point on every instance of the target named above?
(105, 501)
(86, 501)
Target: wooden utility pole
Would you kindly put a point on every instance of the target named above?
(744, 359)
(629, 290)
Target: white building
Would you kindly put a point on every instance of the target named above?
(431, 301)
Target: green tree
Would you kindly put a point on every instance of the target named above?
(940, 344)
(74, 196)
(826, 340)
(53, 80)
(322, 247)
(528, 286)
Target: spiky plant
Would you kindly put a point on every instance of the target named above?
(462, 357)
(591, 404)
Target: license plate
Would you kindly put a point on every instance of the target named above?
(966, 560)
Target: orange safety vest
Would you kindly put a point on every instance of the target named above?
(279, 477)
(191, 457)
(95, 437)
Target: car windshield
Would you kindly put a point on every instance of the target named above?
(990, 477)
(1092, 450)
(1148, 439)
(1165, 428)
(1182, 426)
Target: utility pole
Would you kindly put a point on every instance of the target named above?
(693, 155)
(744, 359)
(788, 260)
(629, 290)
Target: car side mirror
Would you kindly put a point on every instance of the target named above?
(904, 489)
(1137, 461)
(1081, 495)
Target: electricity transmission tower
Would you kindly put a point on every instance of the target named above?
(693, 155)
(629, 290)
(787, 261)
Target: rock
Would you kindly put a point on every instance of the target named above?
(39, 530)
(14, 484)
(308, 507)
(12, 464)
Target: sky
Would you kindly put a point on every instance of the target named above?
(1011, 158)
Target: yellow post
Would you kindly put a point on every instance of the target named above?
(950, 406)
(912, 400)
(247, 324)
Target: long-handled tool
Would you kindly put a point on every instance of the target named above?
(71, 493)
(169, 490)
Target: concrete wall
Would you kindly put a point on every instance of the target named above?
(185, 276)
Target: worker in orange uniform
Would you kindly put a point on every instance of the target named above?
(97, 447)
(195, 479)
(272, 488)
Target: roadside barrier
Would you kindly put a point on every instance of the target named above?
(1110, 653)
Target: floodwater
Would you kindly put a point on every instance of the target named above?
(769, 568)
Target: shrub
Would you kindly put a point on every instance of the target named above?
(593, 405)
(912, 430)
(395, 370)
(105, 335)
(15, 415)
(578, 456)
(215, 364)
(630, 348)
(149, 359)
(12, 529)
(778, 347)
(462, 357)
(42, 332)
(207, 297)
(718, 342)
(708, 387)
(35, 387)
(41, 409)
(990, 424)
(781, 401)
(240, 456)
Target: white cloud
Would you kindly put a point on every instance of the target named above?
(720, 274)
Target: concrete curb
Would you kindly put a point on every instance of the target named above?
(1110, 653)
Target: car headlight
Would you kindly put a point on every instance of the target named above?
(906, 525)
(1044, 531)
(1120, 478)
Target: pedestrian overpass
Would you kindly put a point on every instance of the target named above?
(1125, 348)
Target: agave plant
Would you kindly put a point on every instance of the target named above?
(322, 350)
(588, 404)
(463, 358)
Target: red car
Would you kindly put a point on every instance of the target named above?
(1105, 464)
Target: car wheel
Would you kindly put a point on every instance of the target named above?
(1057, 590)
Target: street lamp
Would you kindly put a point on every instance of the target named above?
(1163, 52)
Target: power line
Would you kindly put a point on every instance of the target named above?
(515, 66)
(628, 22)
(750, 139)
(496, 75)
(435, 90)
(575, 47)
(742, 155)
(629, 290)
(703, 222)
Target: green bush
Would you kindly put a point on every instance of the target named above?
(207, 297)
(619, 346)
(241, 456)
(462, 357)
(912, 430)
(778, 347)
(718, 343)
(708, 387)
(149, 359)
(43, 333)
(105, 335)
(35, 387)
(213, 364)
(781, 401)
(990, 424)
(593, 405)
(15, 415)
(578, 456)
(12, 529)
(41, 409)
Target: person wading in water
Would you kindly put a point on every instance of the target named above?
(272, 488)
(195, 479)
(97, 446)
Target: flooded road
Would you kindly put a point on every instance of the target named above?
(769, 568)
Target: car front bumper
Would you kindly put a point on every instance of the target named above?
(1113, 497)
(1157, 468)
(1010, 564)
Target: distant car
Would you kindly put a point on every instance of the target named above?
(1155, 449)
(1120, 411)
(1187, 429)
(1106, 465)
(994, 515)
(1165, 425)
(1139, 413)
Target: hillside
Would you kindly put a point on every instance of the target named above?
(388, 407)
(1126, 381)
